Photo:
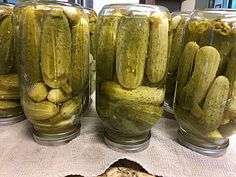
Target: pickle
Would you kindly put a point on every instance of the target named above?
(9, 81)
(80, 56)
(29, 44)
(57, 96)
(176, 46)
(55, 49)
(230, 110)
(105, 42)
(38, 92)
(142, 94)
(104, 107)
(186, 64)
(215, 103)
(205, 68)
(9, 87)
(132, 50)
(9, 104)
(228, 129)
(139, 112)
(158, 48)
(39, 111)
(231, 73)
(70, 107)
(56, 119)
(6, 44)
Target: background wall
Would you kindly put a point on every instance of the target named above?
(188, 5)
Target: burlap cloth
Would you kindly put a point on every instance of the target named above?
(87, 155)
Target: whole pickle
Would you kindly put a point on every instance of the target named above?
(9, 81)
(231, 73)
(57, 96)
(39, 111)
(9, 87)
(38, 92)
(158, 48)
(105, 42)
(139, 112)
(230, 111)
(177, 41)
(6, 43)
(55, 49)
(10, 112)
(29, 44)
(70, 107)
(205, 68)
(186, 64)
(131, 51)
(9, 104)
(215, 102)
(79, 76)
(142, 94)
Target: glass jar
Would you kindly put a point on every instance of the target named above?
(92, 62)
(178, 22)
(10, 108)
(205, 96)
(53, 54)
(131, 60)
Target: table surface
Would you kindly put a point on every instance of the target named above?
(87, 155)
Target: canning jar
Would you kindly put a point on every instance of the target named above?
(92, 62)
(178, 22)
(53, 54)
(10, 108)
(131, 60)
(205, 103)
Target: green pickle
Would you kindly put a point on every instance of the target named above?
(176, 29)
(54, 68)
(131, 61)
(205, 103)
(10, 108)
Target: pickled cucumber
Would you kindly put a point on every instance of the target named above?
(177, 45)
(202, 77)
(9, 104)
(55, 49)
(57, 96)
(38, 92)
(186, 64)
(215, 103)
(39, 111)
(158, 48)
(79, 77)
(132, 50)
(6, 43)
(142, 94)
(70, 107)
(29, 45)
(9, 81)
(105, 42)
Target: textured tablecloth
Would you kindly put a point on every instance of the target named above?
(87, 155)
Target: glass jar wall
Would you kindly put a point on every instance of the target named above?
(178, 23)
(131, 58)
(205, 98)
(10, 108)
(53, 53)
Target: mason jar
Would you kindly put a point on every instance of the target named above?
(10, 108)
(92, 62)
(178, 22)
(131, 59)
(53, 53)
(205, 103)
